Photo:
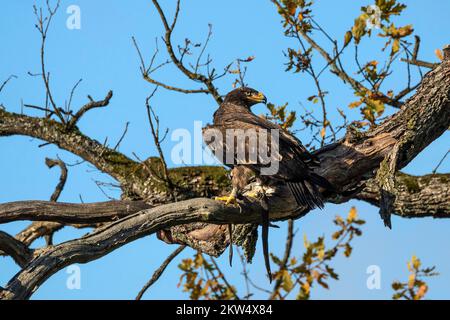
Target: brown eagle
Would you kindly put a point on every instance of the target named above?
(232, 122)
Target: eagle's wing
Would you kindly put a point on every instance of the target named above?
(295, 163)
(288, 142)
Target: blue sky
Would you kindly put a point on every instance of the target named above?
(102, 54)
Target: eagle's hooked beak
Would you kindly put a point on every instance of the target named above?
(259, 97)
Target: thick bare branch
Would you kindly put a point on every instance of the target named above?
(72, 213)
(349, 163)
(20, 253)
(116, 234)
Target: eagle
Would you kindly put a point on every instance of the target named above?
(230, 142)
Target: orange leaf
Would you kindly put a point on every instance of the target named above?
(352, 215)
(439, 54)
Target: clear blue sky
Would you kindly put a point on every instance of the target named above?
(102, 54)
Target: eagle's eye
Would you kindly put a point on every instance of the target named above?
(248, 93)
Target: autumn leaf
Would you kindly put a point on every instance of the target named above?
(421, 292)
(347, 38)
(411, 280)
(359, 28)
(291, 7)
(415, 262)
(439, 54)
(395, 46)
(352, 215)
(287, 283)
(354, 104)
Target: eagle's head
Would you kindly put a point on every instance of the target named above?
(245, 96)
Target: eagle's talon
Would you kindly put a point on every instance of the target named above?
(227, 199)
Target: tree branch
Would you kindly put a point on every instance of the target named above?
(89, 106)
(71, 213)
(417, 197)
(207, 81)
(20, 253)
(116, 234)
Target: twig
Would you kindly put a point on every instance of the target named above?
(68, 106)
(440, 162)
(43, 24)
(6, 81)
(157, 274)
(247, 278)
(287, 254)
(146, 71)
(222, 275)
(123, 136)
(155, 133)
(62, 179)
(89, 106)
(421, 63)
(207, 81)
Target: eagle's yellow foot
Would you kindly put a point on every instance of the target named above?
(252, 194)
(230, 199)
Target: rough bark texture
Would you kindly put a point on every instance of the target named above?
(69, 212)
(425, 196)
(114, 235)
(14, 248)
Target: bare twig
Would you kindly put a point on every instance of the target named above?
(207, 81)
(421, 63)
(158, 272)
(156, 138)
(6, 81)
(43, 24)
(146, 71)
(440, 162)
(89, 106)
(222, 276)
(69, 104)
(46, 229)
(122, 136)
(287, 254)
(62, 179)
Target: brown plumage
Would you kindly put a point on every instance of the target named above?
(295, 163)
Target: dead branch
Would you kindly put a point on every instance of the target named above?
(116, 234)
(16, 249)
(89, 106)
(70, 213)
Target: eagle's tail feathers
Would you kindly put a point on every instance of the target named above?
(306, 194)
